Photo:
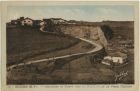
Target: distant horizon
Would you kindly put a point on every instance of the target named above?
(76, 20)
(90, 13)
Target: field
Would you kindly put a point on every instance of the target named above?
(28, 44)
(23, 43)
(77, 70)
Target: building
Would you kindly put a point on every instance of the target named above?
(119, 57)
(47, 25)
(14, 22)
(27, 22)
(115, 58)
(42, 23)
(58, 20)
(72, 22)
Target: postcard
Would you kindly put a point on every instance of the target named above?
(70, 45)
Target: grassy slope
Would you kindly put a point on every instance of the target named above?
(23, 43)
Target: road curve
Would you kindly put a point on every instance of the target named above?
(97, 48)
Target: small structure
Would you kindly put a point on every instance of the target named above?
(27, 22)
(42, 23)
(47, 25)
(14, 22)
(58, 20)
(72, 22)
(115, 58)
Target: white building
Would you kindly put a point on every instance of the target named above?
(58, 20)
(42, 25)
(117, 58)
(27, 22)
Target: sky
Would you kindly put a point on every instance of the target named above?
(92, 13)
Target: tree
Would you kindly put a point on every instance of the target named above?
(107, 32)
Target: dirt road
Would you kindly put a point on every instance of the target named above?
(97, 48)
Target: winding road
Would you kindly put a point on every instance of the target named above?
(97, 48)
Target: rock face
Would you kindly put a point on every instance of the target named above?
(94, 33)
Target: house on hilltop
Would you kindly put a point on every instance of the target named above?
(58, 20)
(15, 23)
(27, 22)
(47, 25)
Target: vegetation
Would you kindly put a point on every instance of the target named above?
(107, 32)
(24, 42)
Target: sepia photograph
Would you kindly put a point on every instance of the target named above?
(70, 43)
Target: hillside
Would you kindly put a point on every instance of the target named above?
(23, 43)
(123, 28)
(73, 70)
